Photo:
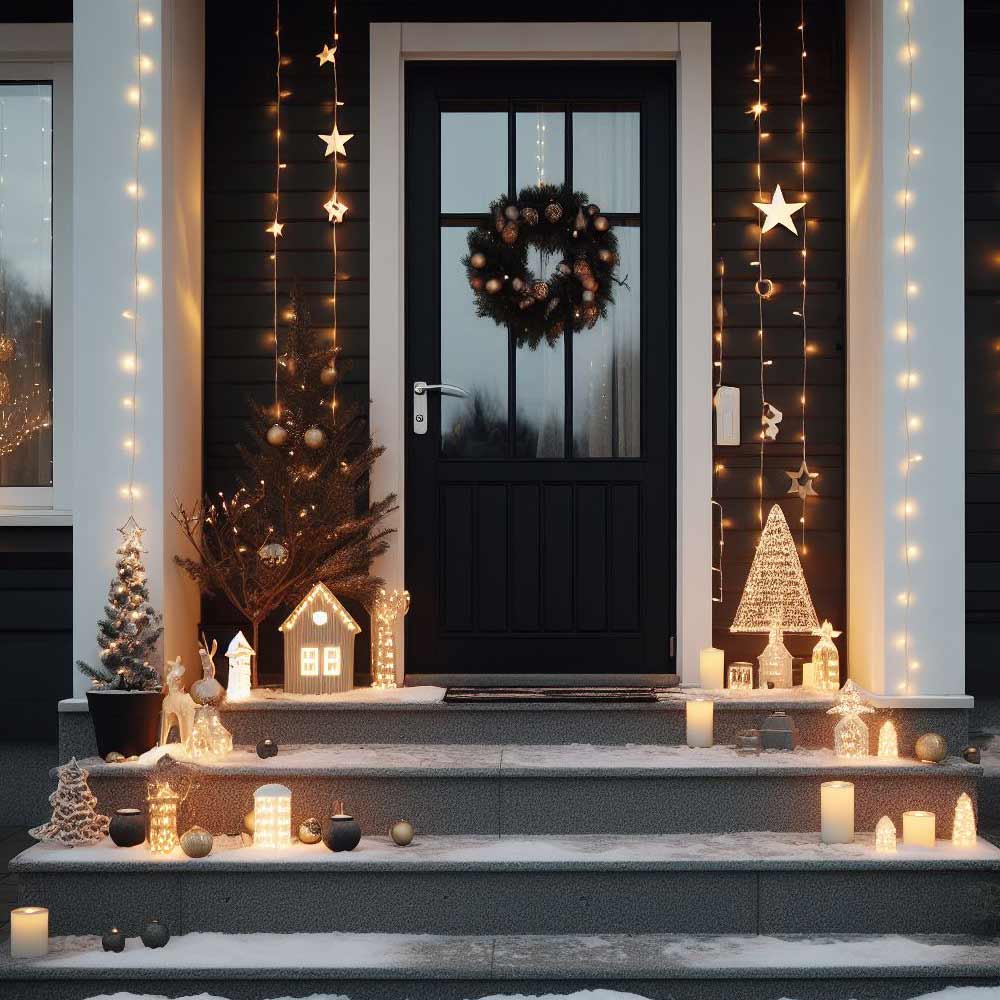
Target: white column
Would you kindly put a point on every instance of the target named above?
(878, 90)
(168, 435)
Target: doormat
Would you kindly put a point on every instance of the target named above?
(511, 694)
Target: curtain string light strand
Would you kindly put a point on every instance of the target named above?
(718, 467)
(758, 111)
(805, 251)
(276, 227)
(336, 198)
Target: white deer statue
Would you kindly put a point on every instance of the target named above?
(178, 705)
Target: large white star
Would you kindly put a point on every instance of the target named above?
(778, 211)
(335, 142)
(326, 55)
(335, 210)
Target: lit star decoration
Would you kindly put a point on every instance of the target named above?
(336, 141)
(276, 228)
(802, 481)
(757, 109)
(326, 55)
(778, 212)
(335, 210)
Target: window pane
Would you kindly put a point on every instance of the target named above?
(606, 158)
(25, 284)
(473, 160)
(606, 363)
(473, 356)
(540, 148)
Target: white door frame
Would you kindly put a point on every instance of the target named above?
(689, 45)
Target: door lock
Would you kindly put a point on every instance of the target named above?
(420, 391)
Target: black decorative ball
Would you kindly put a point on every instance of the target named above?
(155, 934)
(127, 828)
(267, 748)
(113, 940)
(341, 833)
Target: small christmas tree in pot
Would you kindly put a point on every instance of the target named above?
(126, 697)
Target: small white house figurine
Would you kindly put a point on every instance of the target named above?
(238, 654)
(319, 644)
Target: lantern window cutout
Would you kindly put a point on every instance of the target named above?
(319, 645)
(272, 817)
(885, 836)
(161, 806)
(963, 829)
(238, 654)
(740, 676)
(888, 741)
(850, 735)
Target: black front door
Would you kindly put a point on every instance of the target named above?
(540, 506)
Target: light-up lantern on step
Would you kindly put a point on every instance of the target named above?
(238, 654)
(885, 836)
(740, 676)
(888, 741)
(161, 805)
(712, 665)
(826, 659)
(963, 827)
(29, 932)
(836, 800)
(387, 609)
(850, 734)
(272, 816)
(700, 716)
(319, 644)
(918, 828)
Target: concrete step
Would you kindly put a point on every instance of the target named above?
(750, 883)
(439, 967)
(546, 789)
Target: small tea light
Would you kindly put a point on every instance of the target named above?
(740, 676)
(836, 799)
(712, 664)
(918, 828)
(29, 932)
(700, 713)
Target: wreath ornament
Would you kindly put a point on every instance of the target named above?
(556, 221)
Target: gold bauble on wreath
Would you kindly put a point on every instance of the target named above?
(478, 260)
(475, 283)
(494, 285)
(7, 349)
(601, 223)
(314, 437)
(540, 290)
(277, 435)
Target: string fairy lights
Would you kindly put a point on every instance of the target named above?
(276, 434)
(717, 467)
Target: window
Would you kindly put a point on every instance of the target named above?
(331, 661)
(309, 661)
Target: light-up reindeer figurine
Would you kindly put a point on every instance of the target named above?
(178, 705)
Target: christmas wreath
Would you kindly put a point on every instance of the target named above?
(557, 221)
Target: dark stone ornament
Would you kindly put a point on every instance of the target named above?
(155, 934)
(972, 755)
(113, 940)
(127, 828)
(267, 748)
(341, 832)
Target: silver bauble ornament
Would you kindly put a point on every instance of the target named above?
(277, 435)
(587, 296)
(402, 833)
(197, 842)
(931, 748)
(314, 437)
(115, 757)
(273, 553)
(310, 831)
(511, 212)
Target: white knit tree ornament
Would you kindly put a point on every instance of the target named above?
(963, 830)
(75, 819)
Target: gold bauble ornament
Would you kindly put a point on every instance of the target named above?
(277, 435)
(589, 282)
(328, 374)
(402, 833)
(248, 822)
(7, 348)
(509, 233)
(540, 290)
(581, 221)
(529, 216)
(553, 211)
(314, 437)
(197, 842)
(494, 285)
(601, 223)
(580, 267)
(931, 748)
(478, 260)
(500, 223)
(310, 831)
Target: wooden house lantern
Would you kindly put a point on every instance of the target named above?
(319, 644)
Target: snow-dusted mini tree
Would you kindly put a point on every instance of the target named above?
(75, 819)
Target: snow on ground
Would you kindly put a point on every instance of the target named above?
(422, 695)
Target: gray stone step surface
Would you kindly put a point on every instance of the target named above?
(545, 789)
(441, 967)
(751, 883)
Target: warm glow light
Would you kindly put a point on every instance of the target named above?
(320, 617)
(127, 362)
(888, 748)
(143, 285)
(885, 836)
(133, 95)
(918, 828)
(145, 63)
(161, 806)
(146, 138)
(272, 815)
(29, 932)
(837, 812)
(963, 829)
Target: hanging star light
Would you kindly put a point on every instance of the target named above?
(326, 55)
(275, 228)
(757, 109)
(779, 212)
(334, 210)
(336, 141)
(802, 481)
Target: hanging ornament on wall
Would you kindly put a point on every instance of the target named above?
(802, 482)
(778, 212)
(770, 419)
(273, 553)
(7, 349)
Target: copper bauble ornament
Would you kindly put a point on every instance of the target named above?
(314, 437)
(931, 748)
(197, 842)
(402, 833)
(593, 210)
(494, 285)
(601, 223)
(476, 283)
(540, 290)
(478, 260)
(277, 435)
(606, 256)
(7, 348)
(328, 374)
(273, 553)
(310, 831)
(589, 314)
(509, 233)
(553, 211)
(511, 212)
(590, 283)
(529, 216)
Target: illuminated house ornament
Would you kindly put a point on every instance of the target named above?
(161, 805)
(388, 607)
(826, 659)
(963, 829)
(885, 836)
(238, 654)
(888, 741)
(850, 735)
(775, 599)
(319, 644)
(272, 816)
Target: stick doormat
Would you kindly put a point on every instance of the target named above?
(598, 694)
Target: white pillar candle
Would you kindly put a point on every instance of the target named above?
(809, 675)
(837, 812)
(29, 932)
(699, 722)
(712, 666)
(918, 828)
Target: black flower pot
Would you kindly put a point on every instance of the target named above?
(341, 833)
(128, 828)
(126, 721)
(155, 934)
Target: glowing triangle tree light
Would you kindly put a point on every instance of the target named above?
(775, 599)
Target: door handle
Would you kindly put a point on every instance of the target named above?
(420, 391)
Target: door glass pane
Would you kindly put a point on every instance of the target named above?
(25, 284)
(606, 362)
(473, 160)
(606, 158)
(540, 148)
(473, 356)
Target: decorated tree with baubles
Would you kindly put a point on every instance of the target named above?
(301, 513)
(131, 626)
(75, 819)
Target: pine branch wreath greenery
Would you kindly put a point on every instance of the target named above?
(559, 222)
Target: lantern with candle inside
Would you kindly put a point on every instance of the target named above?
(272, 816)
(162, 801)
(700, 713)
(29, 932)
(238, 654)
(775, 600)
(836, 800)
(918, 828)
(885, 836)
(319, 644)
(711, 662)
(740, 676)
(963, 828)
